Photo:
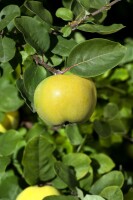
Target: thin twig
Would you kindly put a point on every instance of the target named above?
(75, 23)
(46, 66)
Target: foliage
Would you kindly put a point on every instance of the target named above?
(89, 161)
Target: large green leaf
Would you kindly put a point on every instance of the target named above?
(97, 28)
(111, 193)
(38, 9)
(7, 49)
(94, 57)
(9, 142)
(38, 160)
(79, 161)
(113, 178)
(35, 33)
(9, 13)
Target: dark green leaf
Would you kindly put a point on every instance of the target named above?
(61, 197)
(35, 33)
(103, 129)
(94, 57)
(38, 157)
(33, 75)
(97, 28)
(9, 142)
(9, 12)
(7, 49)
(38, 9)
(9, 187)
(129, 195)
(66, 174)
(113, 178)
(4, 161)
(110, 111)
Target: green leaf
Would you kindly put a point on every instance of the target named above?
(7, 95)
(129, 52)
(61, 197)
(39, 10)
(36, 130)
(8, 49)
(94, 57)
(9, 142)
(66, 30)
(38, 160)
(120, 74)
(106, 164)
(9, 12)
(111, 193)
(4, 161)
(86, 182)
(9, 187)
(33, 75)
(129, 195)
(35, 33)
(66, 174)
(97, 28)
(111, 111)
(98, 3)
(92, 197)
(113, 178)
(65, 14)
(103, 129)
(73, 134)
(63, 46)
(79, 161)
(85, 3)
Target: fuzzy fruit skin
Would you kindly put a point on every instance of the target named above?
(37, 193)
(65, 98)
(10, 120)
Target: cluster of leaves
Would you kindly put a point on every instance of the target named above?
(82, 161)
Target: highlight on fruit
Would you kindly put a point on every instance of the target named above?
(66, 98)
(37, 192)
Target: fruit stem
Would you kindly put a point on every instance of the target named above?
(46, 66)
